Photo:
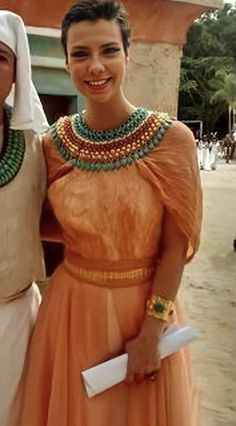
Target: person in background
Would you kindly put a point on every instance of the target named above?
(227, 146)
(214, 153)
(22, 189)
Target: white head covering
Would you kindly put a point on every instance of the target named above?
(27, 111)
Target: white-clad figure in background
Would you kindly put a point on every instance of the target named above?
(205, 153)
(214, 154)
(22, 189)
(200, 153)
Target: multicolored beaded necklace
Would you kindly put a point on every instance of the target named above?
(11, 158)
(96, 150)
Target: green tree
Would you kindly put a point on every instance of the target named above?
(211, 48)
(225, 85)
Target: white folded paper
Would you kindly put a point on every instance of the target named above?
(103, 376)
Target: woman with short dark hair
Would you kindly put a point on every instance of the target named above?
(123, 183)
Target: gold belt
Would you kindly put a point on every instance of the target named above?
(127, 277)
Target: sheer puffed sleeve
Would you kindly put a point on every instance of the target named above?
(172, 169)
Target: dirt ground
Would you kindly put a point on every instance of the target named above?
(209, 294)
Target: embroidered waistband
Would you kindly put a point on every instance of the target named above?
(109, 277)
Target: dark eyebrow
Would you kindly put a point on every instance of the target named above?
(80, 47)
(6, 52)
(112, 43)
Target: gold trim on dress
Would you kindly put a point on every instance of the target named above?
(98, 275)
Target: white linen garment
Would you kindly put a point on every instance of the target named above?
(21, 263)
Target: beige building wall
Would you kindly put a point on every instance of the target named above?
(153, 75)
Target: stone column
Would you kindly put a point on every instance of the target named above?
(159, 33)
(153, 75)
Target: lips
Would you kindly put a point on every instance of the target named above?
(98, 84)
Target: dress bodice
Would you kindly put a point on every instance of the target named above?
(108, 216)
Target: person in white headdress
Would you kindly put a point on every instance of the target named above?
(22, 189)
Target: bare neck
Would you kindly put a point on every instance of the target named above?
(108, 116)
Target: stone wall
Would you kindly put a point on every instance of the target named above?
(153, 76)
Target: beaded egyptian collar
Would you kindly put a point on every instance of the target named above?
(95, 150)
(12, 155)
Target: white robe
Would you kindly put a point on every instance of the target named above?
(21, 263)
(214, 156)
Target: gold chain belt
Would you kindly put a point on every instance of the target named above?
(98, 276)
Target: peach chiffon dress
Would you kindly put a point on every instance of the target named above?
(111, 221)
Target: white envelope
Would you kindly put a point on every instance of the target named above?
(103, 376)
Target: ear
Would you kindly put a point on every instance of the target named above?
(67, 65)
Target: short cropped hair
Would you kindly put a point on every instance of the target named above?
(92, 10)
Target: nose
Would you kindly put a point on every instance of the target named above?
(96, 66)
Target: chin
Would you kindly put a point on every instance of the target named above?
(99, 98)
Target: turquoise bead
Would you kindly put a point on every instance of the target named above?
(113, 166)
(106, 166)
(159, 136)
(87, 167)
(124, 161)
(93, 167)
(118, 164)
(13, 157)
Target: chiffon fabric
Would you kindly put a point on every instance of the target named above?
(111, 221)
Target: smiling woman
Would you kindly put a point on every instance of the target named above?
(97, 65)
(123, 183)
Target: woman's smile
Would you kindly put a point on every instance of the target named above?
(98, 85)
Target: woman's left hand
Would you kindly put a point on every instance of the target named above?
(143, 355)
